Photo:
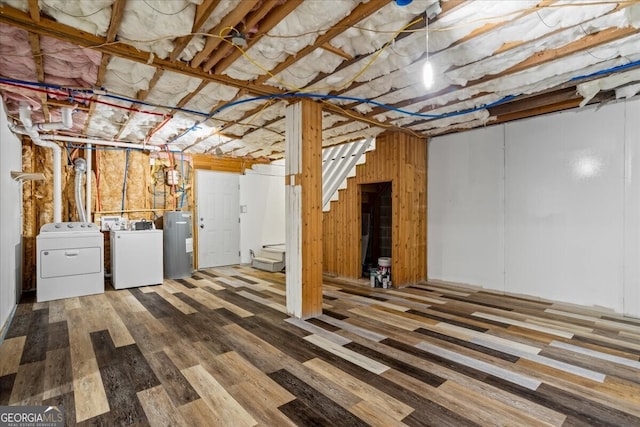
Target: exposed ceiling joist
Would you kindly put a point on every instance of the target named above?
(587, 42)
(337, 51)
(17, 18)
(584, 44)
(34, 42)
(220, 31)
(271, 20)
(362, 11)
(530, 50)
(447, 8)
(117, 10)
(34, 10)
(180, 104)
(251, 21)
(203, 11)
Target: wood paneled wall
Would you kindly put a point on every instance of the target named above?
(402, 160)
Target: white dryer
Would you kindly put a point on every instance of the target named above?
(70, 260)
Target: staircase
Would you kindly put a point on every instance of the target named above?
(339, 163)
(270, 258)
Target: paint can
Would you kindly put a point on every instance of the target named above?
(384, 266)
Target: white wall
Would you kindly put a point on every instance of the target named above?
(547, 207)
(632, 210)
(262, 215)
(466, 208)
(10, 219)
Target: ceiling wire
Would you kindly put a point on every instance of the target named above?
(321, 97)
(542, 20)
(168, 13)
(209, 35)
(623, 3)
(115, 73)
(589, 50)
(72, 15)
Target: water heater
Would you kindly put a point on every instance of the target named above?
(178, 244)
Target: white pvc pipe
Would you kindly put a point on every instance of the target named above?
(57, 181)
(25, 118)
(87, 190)
(80, 167)
(100, 142)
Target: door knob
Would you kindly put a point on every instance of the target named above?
(201, 225)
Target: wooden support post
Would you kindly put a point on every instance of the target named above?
(303, 180)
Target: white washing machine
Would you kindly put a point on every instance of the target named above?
(136, 258)
(70, 260)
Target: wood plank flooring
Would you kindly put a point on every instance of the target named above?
(218, 349)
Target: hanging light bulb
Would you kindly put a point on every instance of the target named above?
(427, 68)
(427, 74)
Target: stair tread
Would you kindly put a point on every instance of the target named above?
(268, 260)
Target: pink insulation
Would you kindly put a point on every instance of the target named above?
(68, 65)
(16, 62)
(64, 65)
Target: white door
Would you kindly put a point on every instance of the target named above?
(218, 218)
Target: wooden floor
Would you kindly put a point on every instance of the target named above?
(218, 349)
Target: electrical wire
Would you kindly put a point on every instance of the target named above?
(68, 92)
(74, 16)
(171, 13)
(115, 73)
(623, 3)
(606, 71)
(321, 97)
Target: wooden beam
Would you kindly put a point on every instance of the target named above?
(256, 16)
(447, 8)
(51, 28)
(181, 104)
(117, 10)
(66, 104)
(143, 93)
(141, 96)
(476, 33)
(222, 29)
(34, 42)
(362, 11)
(34, 10)
(303, 179)
(263, 126)
(36, 52)
(190, 96)
(252, 20)
(273, 19)
(336, 51)
(535, 101)
(585, 43)
(248, 114)
(550, 108)
(217, 131)
(203, 11)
